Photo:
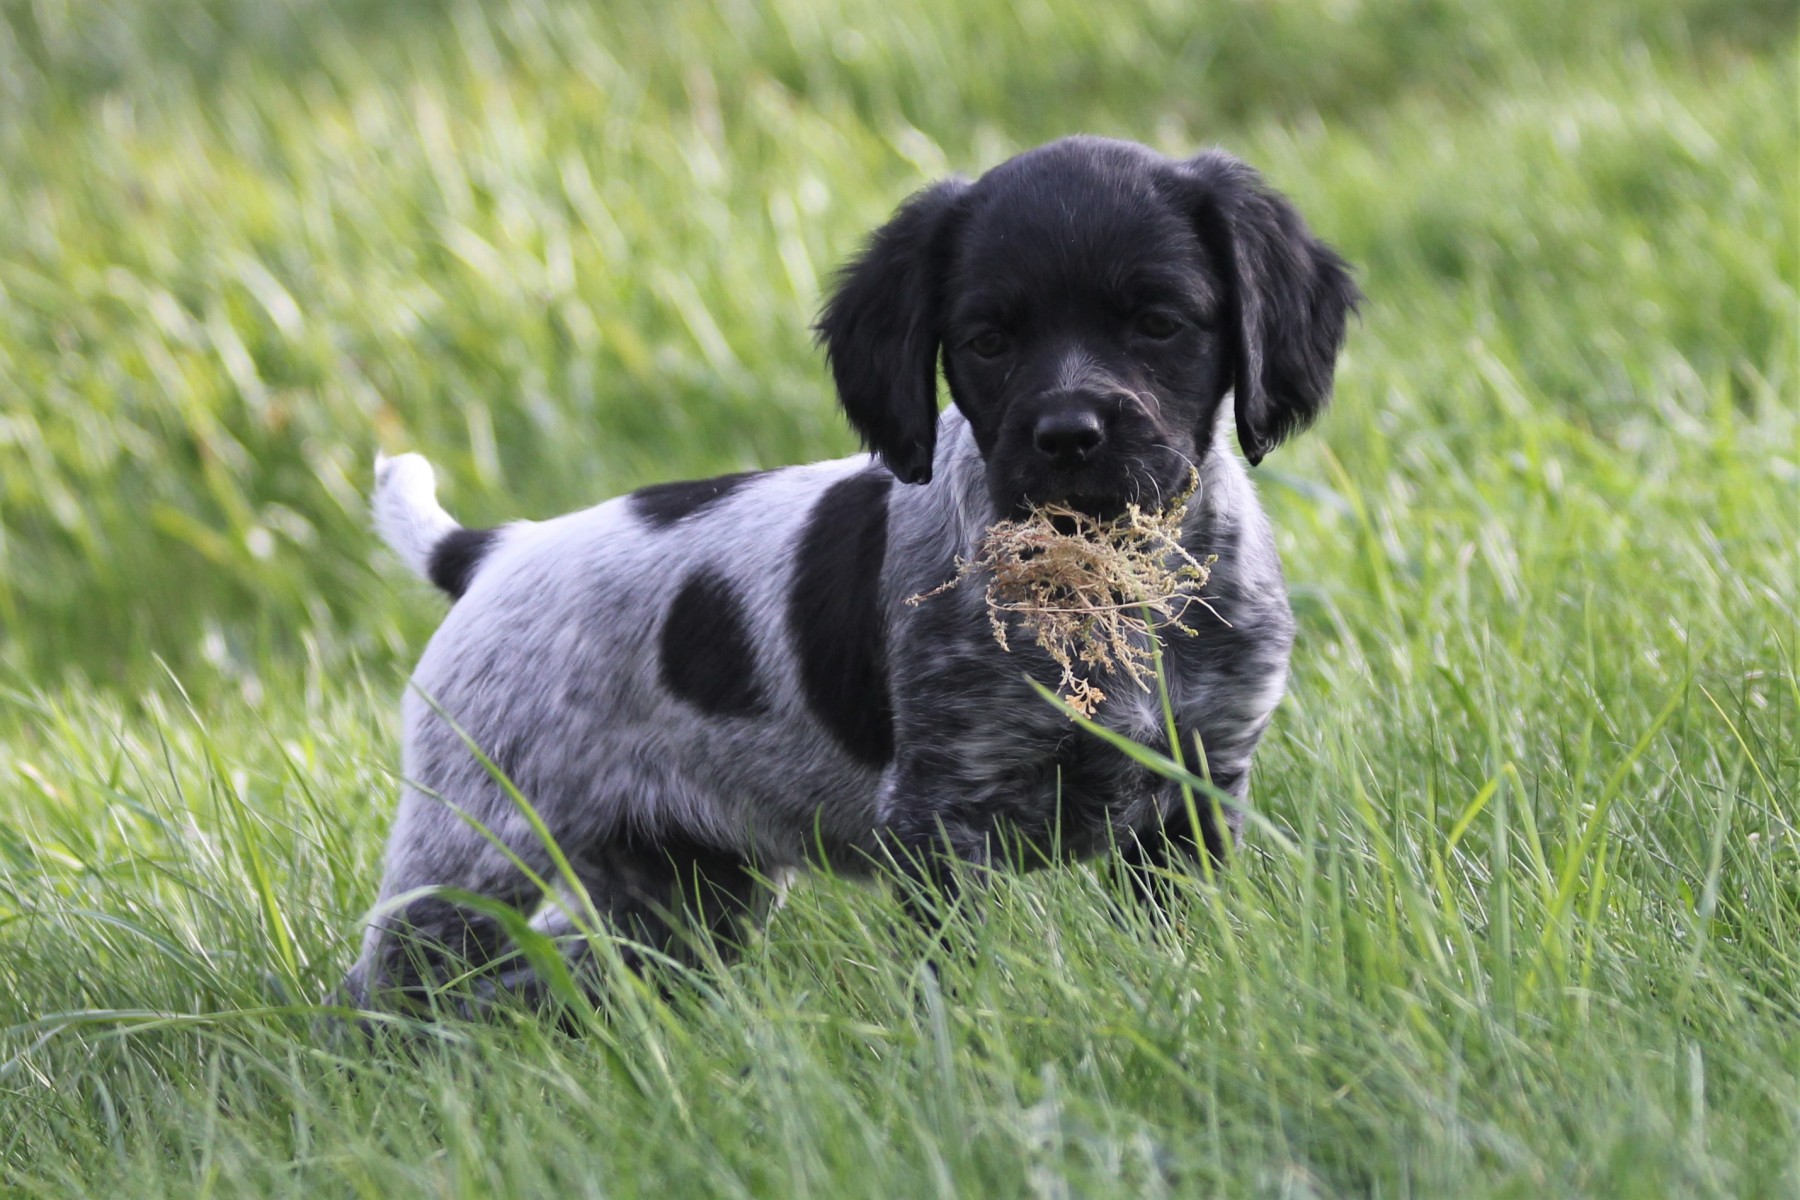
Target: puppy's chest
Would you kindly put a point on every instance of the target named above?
(1057, 770)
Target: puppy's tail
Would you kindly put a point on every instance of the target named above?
(412, 522)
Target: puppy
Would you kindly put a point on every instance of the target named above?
(701, 686)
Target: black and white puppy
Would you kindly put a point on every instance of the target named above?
(704, 685)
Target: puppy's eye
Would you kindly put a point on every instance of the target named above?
(989, 343)
(1158, 325)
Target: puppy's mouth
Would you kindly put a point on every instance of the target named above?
(1102, 489)
(1102, 506)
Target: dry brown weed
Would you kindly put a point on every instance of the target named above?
(1093, 593)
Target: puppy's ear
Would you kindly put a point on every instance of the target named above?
(1290, 297)
(881, 330)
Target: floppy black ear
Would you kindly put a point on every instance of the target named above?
(1291, 296)
(881, 331)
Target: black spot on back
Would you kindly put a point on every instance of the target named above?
(707, 659)
(455, 559)
(836, 620)
(663, 504)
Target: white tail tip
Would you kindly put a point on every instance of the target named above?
(407, 513)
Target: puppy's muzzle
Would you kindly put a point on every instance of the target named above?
(1072, 427)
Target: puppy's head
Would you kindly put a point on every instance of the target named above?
(1091, 303)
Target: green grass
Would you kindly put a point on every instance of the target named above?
(1532, 923)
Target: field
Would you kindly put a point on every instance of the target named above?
(1523, 914)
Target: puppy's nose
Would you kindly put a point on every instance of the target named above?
(1069, 436)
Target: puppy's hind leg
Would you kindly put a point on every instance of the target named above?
(670, 897)
(417, 943)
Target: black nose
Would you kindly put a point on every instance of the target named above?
(1069, 436)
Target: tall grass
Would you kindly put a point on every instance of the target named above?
(1528, 917)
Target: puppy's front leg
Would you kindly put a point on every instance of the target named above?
(931, 843)
(1180, 839)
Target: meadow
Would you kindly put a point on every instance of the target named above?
(1521, 915)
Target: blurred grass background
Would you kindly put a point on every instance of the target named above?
(568, 251)
(1541, 927)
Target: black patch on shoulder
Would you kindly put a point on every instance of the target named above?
(663, 504)
(456, 557)
(836, 620)
(707, 659)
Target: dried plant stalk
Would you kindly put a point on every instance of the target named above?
(1091, 592)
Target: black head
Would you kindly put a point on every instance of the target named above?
(1091, 303)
